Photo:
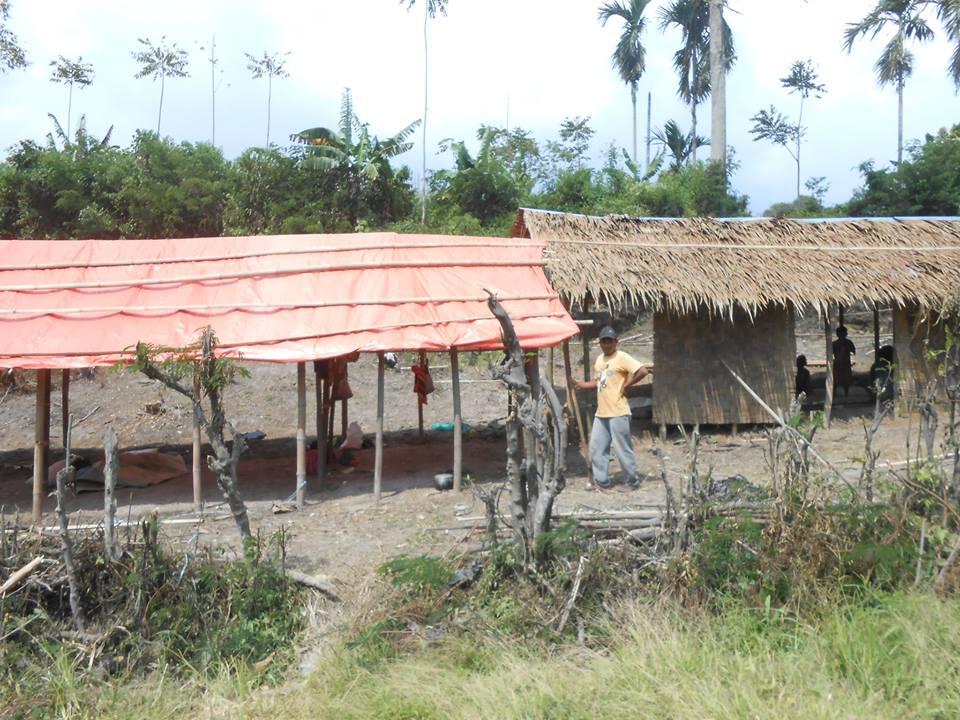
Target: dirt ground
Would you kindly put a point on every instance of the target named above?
(342, 532)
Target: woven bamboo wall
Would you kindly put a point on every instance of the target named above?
(915, 333)
(690, 383)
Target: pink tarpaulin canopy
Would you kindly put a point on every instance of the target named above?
(77, 303)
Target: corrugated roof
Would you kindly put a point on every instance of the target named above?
(279, 298)
(750, 262)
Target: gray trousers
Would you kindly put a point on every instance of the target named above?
(614, 430)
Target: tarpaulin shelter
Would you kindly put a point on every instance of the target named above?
(80, 303)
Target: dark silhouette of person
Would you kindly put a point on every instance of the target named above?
(802, 383)
(881, 374)
(843, 350)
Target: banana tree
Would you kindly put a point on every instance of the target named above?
(350, 149)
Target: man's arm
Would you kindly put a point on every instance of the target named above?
(585, 385)
(639, 375)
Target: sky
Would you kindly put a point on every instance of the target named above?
(513, 63)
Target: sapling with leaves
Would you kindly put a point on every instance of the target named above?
(772, 125)
(160, 61)
(71, 72)
(11, 53)
(171, 367)
(270, 66)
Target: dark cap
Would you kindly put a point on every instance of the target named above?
(608, 332)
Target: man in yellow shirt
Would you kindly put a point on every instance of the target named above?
(614, 372)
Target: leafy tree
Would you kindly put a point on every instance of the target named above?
(678, 144)
(692, 60)
(361, 159)
(160, 61)
(775, 127)
(480, 186)
(895, 64)
(70, 73)
(11, 54)
(629, 57)
(270, 66)
(927, 183)
(949, 13)
(430, 10)
(518, 152)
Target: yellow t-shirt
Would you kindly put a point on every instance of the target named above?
(611, 374)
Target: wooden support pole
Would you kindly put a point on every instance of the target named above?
(321, 391)
(64, 404)
(301, 432)
(876, 333)
(41, 445)
(378, 456)
(343, 419)
(550, 368)
(828, 399)
(195, 436)
(733, 430)
(457, 421)
(840, 310)
(574, 407)
(586, 357)
(663, 432)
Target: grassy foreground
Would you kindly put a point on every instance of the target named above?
(886, 656)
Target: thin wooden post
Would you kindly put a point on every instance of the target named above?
(457, 420)
(41, 445)
(65, 404)
(586, 356)
(301, 432)
(840, 310)
(321, 390)
(663, 432)
(378, 457)
(828, 399)
(423, 361)
(876, 333)
(343, 419)
(733, 431)
(574, 405)
(195, 427)
(550, 368)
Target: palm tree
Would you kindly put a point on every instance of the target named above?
(692, 60)
(677, 143)
(629, 57)
(430, 10)
(70, 73)
(271, 66)
(160, 61)
(895, 64)
(363, 158)
(949, 13)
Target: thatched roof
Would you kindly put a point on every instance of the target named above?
(683, 263)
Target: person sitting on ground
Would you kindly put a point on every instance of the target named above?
(843, 349)
(881, 374)
(802, 383)
(615, 371)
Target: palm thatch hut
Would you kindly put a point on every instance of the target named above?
(725, 294)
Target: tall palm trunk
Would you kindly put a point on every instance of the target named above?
(69, 107)
(633, 99)
(269, 98)
(899, 120)
(718, 84)
(426, 85)
(160, 109)
(693, 133)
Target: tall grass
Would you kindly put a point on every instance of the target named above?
(889, 656)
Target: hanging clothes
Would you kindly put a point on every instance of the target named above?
(422, 381)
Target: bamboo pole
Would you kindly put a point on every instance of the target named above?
(41, 445)
(301, 432)
(195, 426)
(457, 421)
(293, 270)
(828, 399)
(485, 244)
(323, 392)
(378, 457)
(574, 406)
(265, 307)
(64, 405)
(876, 332)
